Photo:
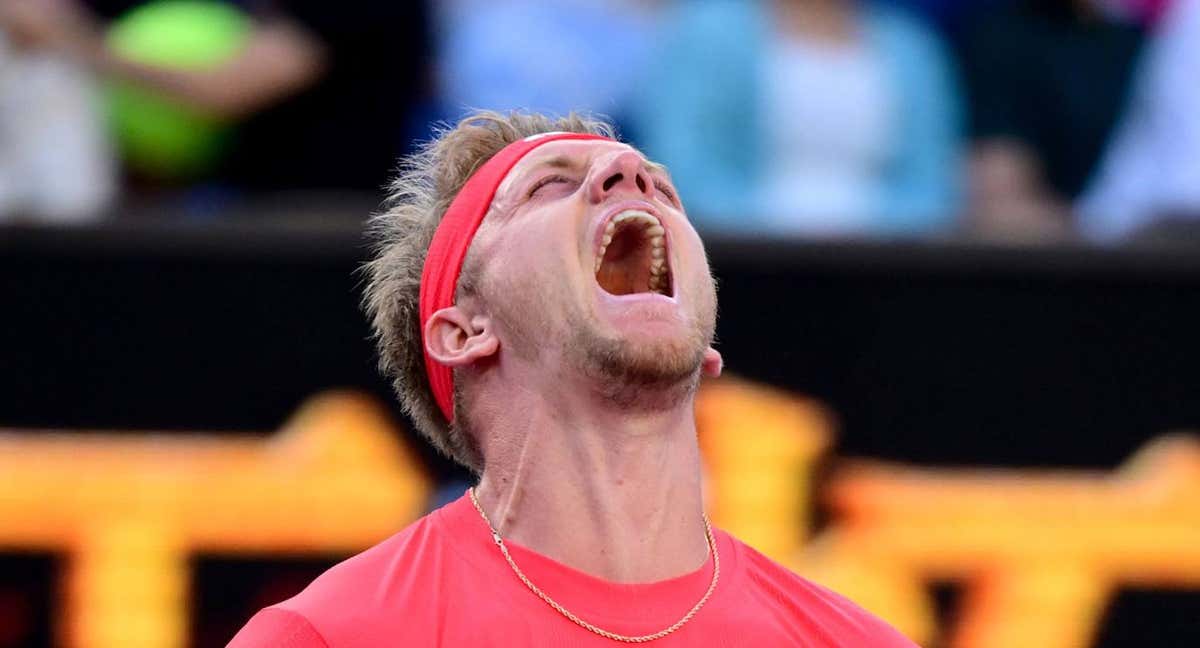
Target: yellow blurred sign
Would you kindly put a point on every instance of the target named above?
(1039, 553)
(128, 510)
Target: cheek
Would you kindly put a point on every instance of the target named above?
(694, 256)
(515, 271)
(531, 261)
(538, 251)
(524, 254)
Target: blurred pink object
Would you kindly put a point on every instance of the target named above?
(1148, 11)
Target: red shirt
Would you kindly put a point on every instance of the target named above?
(443, 582)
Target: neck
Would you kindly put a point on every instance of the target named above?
(611, 492)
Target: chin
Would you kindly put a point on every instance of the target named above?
(655, 355)
(647, 376)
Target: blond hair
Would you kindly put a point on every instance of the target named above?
(426, 184)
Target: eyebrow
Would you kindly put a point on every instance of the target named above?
(557, 162)
(566, 162)
(655, 166)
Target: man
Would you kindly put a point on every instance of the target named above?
(548, 330)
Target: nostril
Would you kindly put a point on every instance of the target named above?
(612, 180)
(641, 183)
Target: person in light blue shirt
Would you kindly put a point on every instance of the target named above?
(1151, 170)
(811, 117)
(550, 57)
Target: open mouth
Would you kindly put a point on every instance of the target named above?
(633, 256)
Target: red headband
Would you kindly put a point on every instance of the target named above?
(443, 262)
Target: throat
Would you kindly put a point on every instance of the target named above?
(627, 513)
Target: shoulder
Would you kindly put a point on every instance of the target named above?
(360, 592)
(278, 628)
(817, 608)
(404, 557)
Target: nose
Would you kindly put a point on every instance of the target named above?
(623, 172)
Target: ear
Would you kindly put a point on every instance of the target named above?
(712, 363)
(456, 339)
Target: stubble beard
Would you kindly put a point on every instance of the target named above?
(638, 375)
(641, 375)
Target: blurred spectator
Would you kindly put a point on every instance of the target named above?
(320, 89)
(1152, 169)
(805, 116)
(55, 161)
(1047, 81)
(947, 15)
(551, 57)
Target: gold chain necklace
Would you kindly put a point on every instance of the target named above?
(712, 546)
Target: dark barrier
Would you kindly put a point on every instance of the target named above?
(931, 353)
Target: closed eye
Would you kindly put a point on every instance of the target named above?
(666, 189)
(545, 181)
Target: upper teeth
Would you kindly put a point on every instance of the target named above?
(653, 231)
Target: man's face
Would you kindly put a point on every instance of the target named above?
(588, 263)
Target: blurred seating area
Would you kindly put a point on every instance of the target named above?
(1021, 121)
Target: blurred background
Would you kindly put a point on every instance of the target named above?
(957, 244)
